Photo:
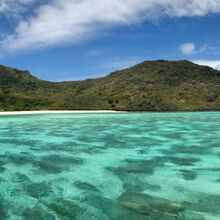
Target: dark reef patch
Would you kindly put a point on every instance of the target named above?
(212, 169)
(188, 174)
(17, 141)
(191, 216)
(209, 203)
(217, 181)
(37, 213)
(62, 160)
(3, 214)
(65, 209)
(180, 161)
(21, 178)
(47, 167)
(136, 166)
(140, 186)
(107, 206)
(132, 216)
(20, 159)
(85, 186)
(38, 190)
(181, 149)
(2, 163)
(156, 208)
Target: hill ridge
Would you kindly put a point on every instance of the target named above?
(157, 85)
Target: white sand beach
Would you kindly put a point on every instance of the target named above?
(56, 112)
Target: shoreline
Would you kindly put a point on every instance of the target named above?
(57, 112)
(35, 112)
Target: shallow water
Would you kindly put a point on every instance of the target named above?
(154, 166)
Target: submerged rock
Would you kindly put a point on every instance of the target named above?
(132, 216)
(37, 213)
(38, 190)
(85, 186)
(204, 203)
(136, 166)
(21, 178)
(212, 169)
(2, 163)
(182, 161)
(188, 174)
(140, 186)
(54, 164)
(199, 150)
(46, 166)
(59, 159)
(20, 159)
(156, 208)
(142, 151)
(65, 209)
(110, 208)
(2, 212)
(191, 216)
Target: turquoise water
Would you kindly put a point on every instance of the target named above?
(153, 166)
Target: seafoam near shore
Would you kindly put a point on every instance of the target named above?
(55, 112)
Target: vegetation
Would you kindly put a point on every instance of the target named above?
(149, 86)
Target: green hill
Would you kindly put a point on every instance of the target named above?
(149, 86)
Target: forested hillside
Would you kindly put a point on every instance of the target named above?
(149, 86)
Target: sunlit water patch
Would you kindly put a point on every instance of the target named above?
(144, 166)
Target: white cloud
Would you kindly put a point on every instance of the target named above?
(215, 64)
(62, 21)
(188, 48)
(14, 8)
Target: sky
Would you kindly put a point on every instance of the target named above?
(60, 40)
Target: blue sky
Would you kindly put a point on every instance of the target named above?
(72, 40)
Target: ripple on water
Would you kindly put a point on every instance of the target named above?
(142, 166)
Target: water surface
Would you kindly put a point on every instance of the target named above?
(153, 166)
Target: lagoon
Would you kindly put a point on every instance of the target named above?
(125, 166)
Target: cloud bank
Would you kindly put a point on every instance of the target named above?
(215, 64)
(14, 8)
(61, 21)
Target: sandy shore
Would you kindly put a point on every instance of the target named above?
(55, 112)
